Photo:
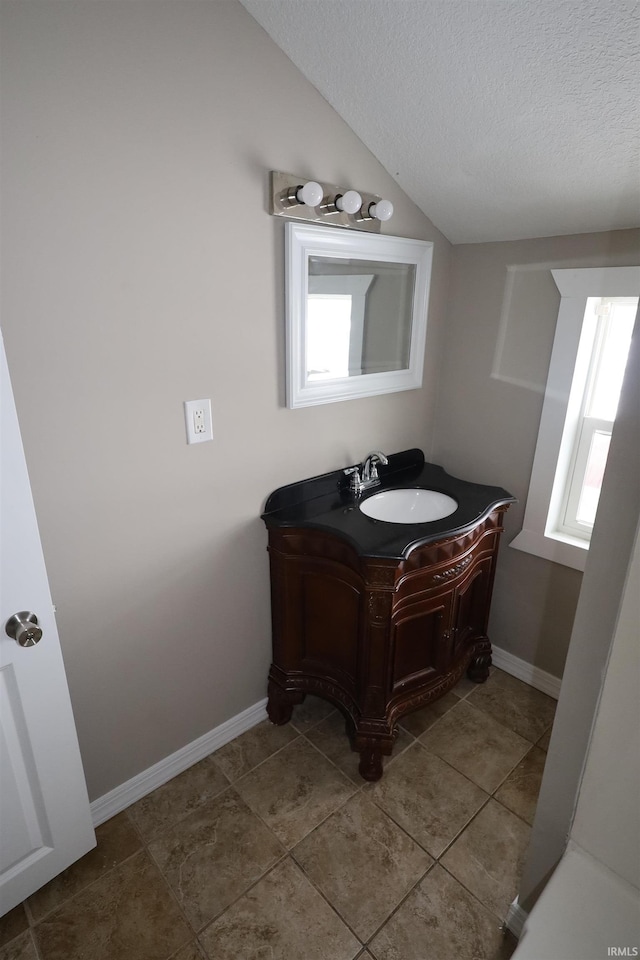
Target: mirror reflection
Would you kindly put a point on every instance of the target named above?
(349, 306)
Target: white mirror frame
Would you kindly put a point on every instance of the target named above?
(305, 241)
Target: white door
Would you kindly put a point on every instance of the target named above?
(45, 820)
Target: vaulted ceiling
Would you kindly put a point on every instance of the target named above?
(501, 119)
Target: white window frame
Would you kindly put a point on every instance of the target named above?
(562, 407)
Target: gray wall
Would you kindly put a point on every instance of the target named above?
(500, 329)
(140, 269)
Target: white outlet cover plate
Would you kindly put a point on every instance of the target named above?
(196, 411)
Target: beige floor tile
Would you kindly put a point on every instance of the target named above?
(213, 855)
(20, 948)
(362, 863)
(129, 912)
(12, 924)
(251, 748)
(177, 798)
(515, 704)
(281, 918)
(362, 849)
(295, 790)
(419, 721)
(475, 744)
(519, 792)
(488, 858)
(427, 798)
(440, 920)
(465, 686)
(543, 742)
(310, 712)
(331, 738)
(116, 839)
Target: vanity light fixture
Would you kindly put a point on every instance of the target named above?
(382, 210)
(349, 202)
(330, 203)
(309, 193)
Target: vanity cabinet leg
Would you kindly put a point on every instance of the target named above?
(370, 767)
(478, 669)
(280, 704)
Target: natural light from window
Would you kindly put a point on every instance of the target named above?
(597, 382)
(328, 335)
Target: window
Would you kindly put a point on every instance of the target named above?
(595, 323)
(607, 326)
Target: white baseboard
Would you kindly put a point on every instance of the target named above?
(526, 672)
(516, 918)
(127, 793)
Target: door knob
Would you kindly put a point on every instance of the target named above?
(23, 628)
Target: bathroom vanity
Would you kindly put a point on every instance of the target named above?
(378, 617)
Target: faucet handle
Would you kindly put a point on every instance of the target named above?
(355, 483)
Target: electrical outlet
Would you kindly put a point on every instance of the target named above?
(197, 416)
(198, 421)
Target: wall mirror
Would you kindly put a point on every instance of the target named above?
(356, 313)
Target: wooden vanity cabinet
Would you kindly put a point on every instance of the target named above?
(378, 637)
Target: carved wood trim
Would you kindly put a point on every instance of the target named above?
(453, 571)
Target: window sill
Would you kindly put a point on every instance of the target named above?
(569, 551)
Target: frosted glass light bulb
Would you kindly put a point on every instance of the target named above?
(350, 201)
(382, 210)
(310, 193)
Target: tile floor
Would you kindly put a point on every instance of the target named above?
(273, 848)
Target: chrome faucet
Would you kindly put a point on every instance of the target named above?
(369, 477)
(370, 469)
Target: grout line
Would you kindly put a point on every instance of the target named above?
(512, 812)
(199, 929)
(401, 903)
(504, 779)
(173, 823)
(349, 783)
(36, 945)
(266, 759)
(332, 906)
(462, 830)
(172, 893)
(317, 723)
(72, 896)
(27, 910)
(498, 919)
(254, 883)
(199, 947)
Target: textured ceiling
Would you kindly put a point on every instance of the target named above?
(501, 119)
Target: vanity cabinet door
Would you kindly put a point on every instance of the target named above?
(471, 605)
(323, 619)
(420, 642)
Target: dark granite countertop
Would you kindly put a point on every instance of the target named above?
(325, 503)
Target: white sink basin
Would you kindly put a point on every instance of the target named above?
(409, 506)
